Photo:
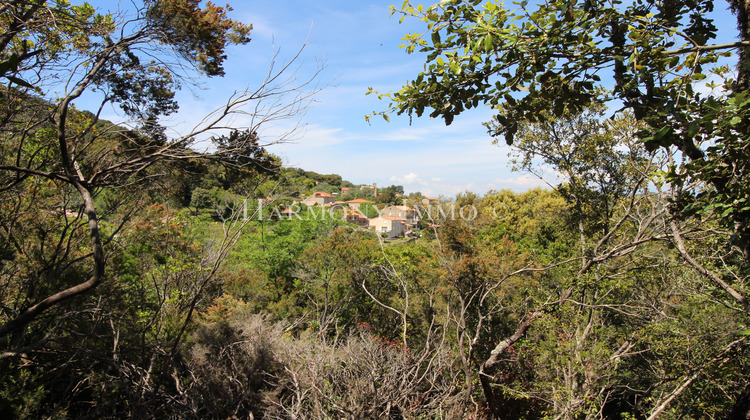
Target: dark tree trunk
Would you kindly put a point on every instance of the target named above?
(741, 8)
(741, 409)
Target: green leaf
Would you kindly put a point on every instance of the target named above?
(11, 64)
(19, 82)
(5, 66)
(659, 135)
(455, 68)
(693, 129)
(488, 43)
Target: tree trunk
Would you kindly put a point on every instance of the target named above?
(741, 409)
(741, 8)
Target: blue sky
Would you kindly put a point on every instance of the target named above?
(357, 42)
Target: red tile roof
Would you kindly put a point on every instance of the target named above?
(353, 213)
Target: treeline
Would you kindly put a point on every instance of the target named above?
(315, 318)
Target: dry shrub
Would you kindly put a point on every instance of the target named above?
(243, 366)
(362, 377)
(233, 364)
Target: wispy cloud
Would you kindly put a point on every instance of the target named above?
(518, 183)
(408, 179)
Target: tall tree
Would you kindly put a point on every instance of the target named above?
(529, 60)
(545, 69)
(51, 53)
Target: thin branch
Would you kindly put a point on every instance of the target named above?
(704, 48)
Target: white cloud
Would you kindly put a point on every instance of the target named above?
(518, 183)
(408, 179)
(304, 138)
(423, 154)
(434, 189)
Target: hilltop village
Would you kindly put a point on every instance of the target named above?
(293, 193)
(390, 221)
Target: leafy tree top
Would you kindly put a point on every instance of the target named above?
(534, 62)
(56, 51)
(559, 56)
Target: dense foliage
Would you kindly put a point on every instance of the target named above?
(659, 59)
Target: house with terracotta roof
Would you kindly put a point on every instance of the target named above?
(354, 204)
(393, 226)
(319, 198)
(354, 217)
(335, 206)
(287, 213)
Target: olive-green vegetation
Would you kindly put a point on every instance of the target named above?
(548, 70)
(658, 59)
(140, 278)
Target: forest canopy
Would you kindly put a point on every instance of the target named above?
(528, 62)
